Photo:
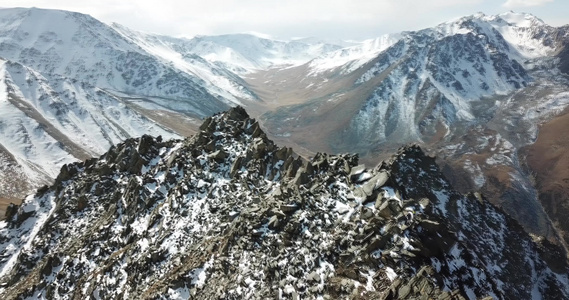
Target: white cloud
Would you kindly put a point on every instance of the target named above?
(524, 3)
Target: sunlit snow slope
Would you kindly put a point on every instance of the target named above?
(73, 86)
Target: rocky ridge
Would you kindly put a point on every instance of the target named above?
(227, 214)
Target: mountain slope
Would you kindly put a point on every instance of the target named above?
(547, 160)
(45, 126)
(228, 214)
(78, 46)
(421, 83)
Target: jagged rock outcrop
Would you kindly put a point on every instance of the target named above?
(227, 214)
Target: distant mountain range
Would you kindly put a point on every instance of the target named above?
(472, 91)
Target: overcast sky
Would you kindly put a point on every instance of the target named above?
(285, 19)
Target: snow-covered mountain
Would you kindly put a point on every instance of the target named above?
(226, 214)
(73, 86)
(528, 35)
(415, 85)
(238, 53)
(47, 124)
(354, 56)
(245, 53)
(474, 90)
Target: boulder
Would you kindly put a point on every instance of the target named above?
(356, 171)
(236, 166)
(289, 208)
(301, 178)
(145, 143)
(384, 210)
(283, 153)
(218, 155)
(11, 211)
(237, 113)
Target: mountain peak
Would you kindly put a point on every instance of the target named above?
(520, 19)
(506, 19)
(259, 35)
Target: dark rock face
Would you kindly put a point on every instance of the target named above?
(227, 214)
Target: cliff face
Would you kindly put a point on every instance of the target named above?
(226, 214)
